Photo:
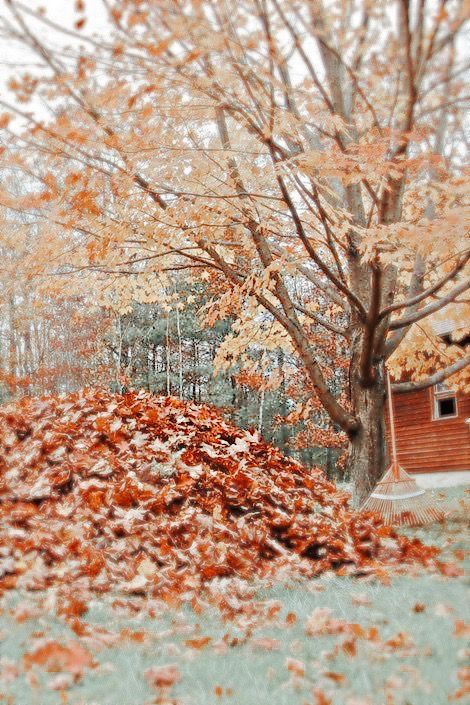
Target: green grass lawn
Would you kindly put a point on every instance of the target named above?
(338, 640)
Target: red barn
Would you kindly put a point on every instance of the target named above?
(433, 425)
(433, 429)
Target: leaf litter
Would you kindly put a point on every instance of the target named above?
(167, 501)
(152, 495)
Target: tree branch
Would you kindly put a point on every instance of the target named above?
(436, 378)
(427, 292)
(431, 308)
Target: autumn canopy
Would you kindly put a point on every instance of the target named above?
(234, 352)
(303, 161)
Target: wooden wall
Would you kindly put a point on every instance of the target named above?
(425, 444)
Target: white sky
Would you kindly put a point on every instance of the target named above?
(63, 13)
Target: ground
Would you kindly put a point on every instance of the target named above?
(398, 640)
(443, 479)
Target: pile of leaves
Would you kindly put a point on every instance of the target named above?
(154, 495)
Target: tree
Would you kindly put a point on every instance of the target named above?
(49, 342)
(50, 336)
(306, 158)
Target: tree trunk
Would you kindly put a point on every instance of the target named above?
(284, 429)
(367, 456)
(261, 412)
(168, 355)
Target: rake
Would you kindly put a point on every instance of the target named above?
(397, 498)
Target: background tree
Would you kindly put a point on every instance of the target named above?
(50, 342)
(305, 159)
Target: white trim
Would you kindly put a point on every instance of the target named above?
(441, 395)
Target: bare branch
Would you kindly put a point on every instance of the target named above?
(436, 378)
(427, 292)
(431, 308)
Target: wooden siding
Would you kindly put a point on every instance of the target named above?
(426, 444)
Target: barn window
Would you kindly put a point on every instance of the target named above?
(445, 402)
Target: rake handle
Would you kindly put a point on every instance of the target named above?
(392, 425)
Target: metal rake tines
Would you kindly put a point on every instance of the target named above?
(405, 512)
(399, 501)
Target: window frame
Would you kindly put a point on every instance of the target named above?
(439, 393)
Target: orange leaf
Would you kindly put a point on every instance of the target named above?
(291, 618)
(294, 666)
(162, 676)
(266, 643)
(55, 657)
(461, 628)
(335, 677)
(450, 569)
(320, 698)
(198, 643)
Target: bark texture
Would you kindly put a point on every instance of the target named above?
(368, 455)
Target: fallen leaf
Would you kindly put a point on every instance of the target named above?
(319, 698)
(56, 657)
(461, 628)
(451, 570)
(162, 676)
(335, 677)
(294, 666)
(266, 643)
(291, 618)
(199, 642)
(63, 681)
(361, 599)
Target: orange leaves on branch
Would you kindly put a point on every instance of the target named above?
(161, 47)
(152, 140)
(23, 87)
(85, 200)
(4, 120)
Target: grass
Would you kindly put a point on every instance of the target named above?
(264, 656)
